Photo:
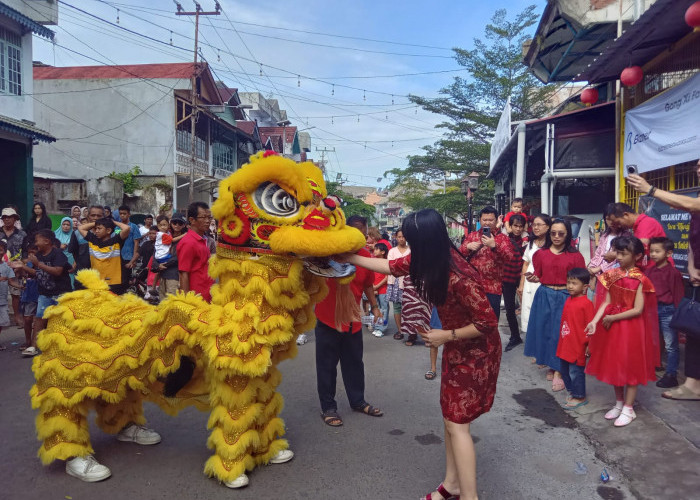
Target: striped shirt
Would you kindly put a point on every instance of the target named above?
(513, 267)
(105, 257)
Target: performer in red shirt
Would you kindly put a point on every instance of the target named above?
(343, 343)
(488, 250)
(573, 341)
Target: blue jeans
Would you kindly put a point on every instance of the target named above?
(383, 303)
(574, 379)
(670, 337)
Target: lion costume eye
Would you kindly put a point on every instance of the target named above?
(276, 201)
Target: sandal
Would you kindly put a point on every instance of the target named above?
(331, 418)
(398, 336)
(446, 495)
(430, 375)
(681, 393)
(412, 337)
(370, 410)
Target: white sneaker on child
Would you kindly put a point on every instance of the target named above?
(146, 295)
(626, 416)
(301, 339)
(378, 333)
(614, 411)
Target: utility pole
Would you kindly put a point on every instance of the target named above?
(193, 114)
(323, 156)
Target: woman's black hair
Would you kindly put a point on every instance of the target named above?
(631, 243)
(547, 238)
(568, 247)
(44, 221)
(431, 254)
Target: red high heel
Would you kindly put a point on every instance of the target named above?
(445, 494)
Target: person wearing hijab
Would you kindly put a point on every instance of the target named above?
(63, 234)
(39, 219)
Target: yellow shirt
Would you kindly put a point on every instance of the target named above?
(105, 257)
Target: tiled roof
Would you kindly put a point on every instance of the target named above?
(248, 127)
(168, 70)
(226, 92)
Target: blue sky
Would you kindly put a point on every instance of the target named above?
(235, 44)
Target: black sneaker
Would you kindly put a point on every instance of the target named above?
(667, 381)
(513, 342)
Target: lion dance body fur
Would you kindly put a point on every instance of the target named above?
(110, 353)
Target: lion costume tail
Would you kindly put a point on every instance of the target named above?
(101, 351)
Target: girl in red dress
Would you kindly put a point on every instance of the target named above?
(471, 354)
(625, 345)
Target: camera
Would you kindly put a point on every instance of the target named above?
(632, 169)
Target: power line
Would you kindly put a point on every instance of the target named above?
(347, 37)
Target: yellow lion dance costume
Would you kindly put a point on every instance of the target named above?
(110, 353)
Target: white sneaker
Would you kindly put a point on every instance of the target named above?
(613, 413)
(378, 333)
(30, 352)
(138, 434)
(301, 339)
(626, 417)
(87, 469)
(282, 456)
(147, 295)
(240, 482)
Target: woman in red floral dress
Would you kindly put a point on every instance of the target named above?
(471, 355)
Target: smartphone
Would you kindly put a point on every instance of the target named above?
(632, 169)
(487, 232)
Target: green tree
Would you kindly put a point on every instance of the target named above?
(472, 107)
(131, 183)
(352, 205)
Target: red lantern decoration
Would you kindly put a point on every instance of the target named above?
(589, 96)
(631, 76)
(692, 16)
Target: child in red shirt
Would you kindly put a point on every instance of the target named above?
(381, 251)
(573, 341)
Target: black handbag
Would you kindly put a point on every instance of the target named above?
(686, 318)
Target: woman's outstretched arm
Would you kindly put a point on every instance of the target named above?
(376, 265)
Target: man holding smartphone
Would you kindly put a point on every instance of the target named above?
(488, 250)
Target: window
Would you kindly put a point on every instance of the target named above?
(223, 156)
(10, 62)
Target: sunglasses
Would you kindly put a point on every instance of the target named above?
(558, 233)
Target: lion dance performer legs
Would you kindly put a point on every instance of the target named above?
(111, 353)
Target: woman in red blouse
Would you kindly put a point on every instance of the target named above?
(471, 355)
(551, 264)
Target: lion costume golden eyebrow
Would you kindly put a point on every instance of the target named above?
(110, 353)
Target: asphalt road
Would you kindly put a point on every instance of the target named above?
(527, 446)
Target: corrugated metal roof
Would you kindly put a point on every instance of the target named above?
(28, 23)
(25, 128)
(166, 70)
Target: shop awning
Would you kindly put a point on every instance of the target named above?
(26, 22)
(24, 128)
(566, 39)
(585, 139)
(657, 29)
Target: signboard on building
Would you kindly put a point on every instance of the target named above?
(675, 222)
(665, 130)
(502, 135)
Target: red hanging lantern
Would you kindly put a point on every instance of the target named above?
(631, 76)
(589, 96)
(692, 16)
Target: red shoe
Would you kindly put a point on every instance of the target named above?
(443, 492)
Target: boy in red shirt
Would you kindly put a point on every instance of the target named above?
(381, 252)
(668, 283)
(573, 341)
